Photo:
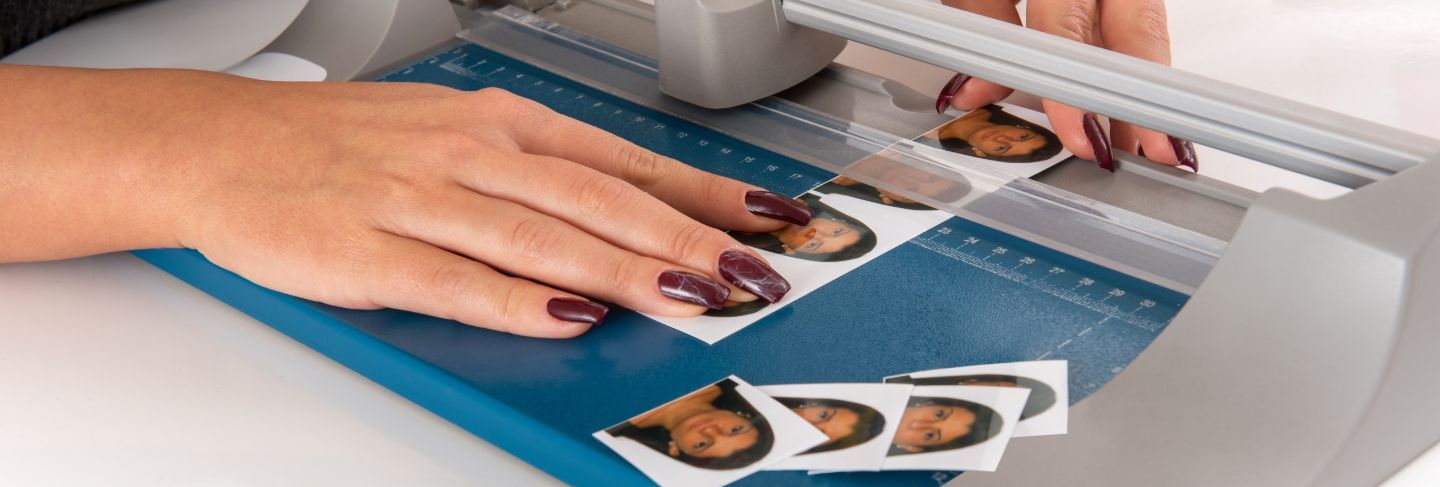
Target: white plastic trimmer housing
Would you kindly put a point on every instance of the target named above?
(1309, 354)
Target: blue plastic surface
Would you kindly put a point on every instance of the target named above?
(959, 294)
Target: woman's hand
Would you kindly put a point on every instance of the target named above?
(482, 207)
(1134, 27)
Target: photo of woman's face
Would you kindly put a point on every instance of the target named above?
(918, 181)
(1005, 140)
(821, 236)
(712, 434)
(835, 422)
(996, 134)
(932, 424)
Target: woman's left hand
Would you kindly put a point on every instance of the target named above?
(1134, 27)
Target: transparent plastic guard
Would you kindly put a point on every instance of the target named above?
(1146, 248)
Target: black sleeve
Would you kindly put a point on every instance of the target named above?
(25, 21)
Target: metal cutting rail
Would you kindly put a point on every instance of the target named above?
(1326, 145)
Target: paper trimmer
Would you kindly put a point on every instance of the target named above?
(1312, 313)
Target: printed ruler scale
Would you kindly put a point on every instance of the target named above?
(1114, 303)
(959, 294)
(1109, 301)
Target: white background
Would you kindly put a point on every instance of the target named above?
(113, 373)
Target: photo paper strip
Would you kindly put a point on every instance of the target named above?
(887, 170)
(848, 230)
(1011, 138)
(1046, 411)
(955, 428)
(858, 421)
(713, 436)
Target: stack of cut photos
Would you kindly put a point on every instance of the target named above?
(854, 223)
(952, 419)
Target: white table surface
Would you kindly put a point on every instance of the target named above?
(114, 373)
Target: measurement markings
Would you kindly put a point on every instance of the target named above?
(1039, 282)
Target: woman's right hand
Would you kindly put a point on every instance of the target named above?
(482, 207)
(1137, 28)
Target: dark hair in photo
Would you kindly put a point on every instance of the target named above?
(999, 116)
(738, 309)
(867, 192)
(870, 423)
(1042, 396)
(658, 439)
(987, 425)
(770, 242)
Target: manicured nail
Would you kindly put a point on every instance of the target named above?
(771, 205)
(1185, 152)
(949, 91)
(694, 289)
(577, 310)
(1099, 142)
(753, 275)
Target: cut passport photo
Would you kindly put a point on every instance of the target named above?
(858, 421)
(713, 436)
(846, 232)
(1046, 411)
(1011, 138)
(955, 428)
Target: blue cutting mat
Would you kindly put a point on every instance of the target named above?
(959, 294)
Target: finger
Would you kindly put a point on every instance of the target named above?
(1139, 28)
(964, 92)
(995, 9)
(1077, 20)
(973, 93)
(1136, 28)
(1125, 137)
(1082, 133)
(714, 200)
(416, 276)
(1156, 146)
(620, 213)
(530, 244)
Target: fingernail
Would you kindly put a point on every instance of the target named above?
(771, 205)
(1185, 152)
(577, 310)
(1099, 142)
(948, 92)
(741, 296)
(694, 289)
(753, 275)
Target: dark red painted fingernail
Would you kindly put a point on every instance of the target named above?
(1099, 142)
(1185, 152)
(948, 92)
(751, 274)
(771, 205)
(577, 310)
(694, 289)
